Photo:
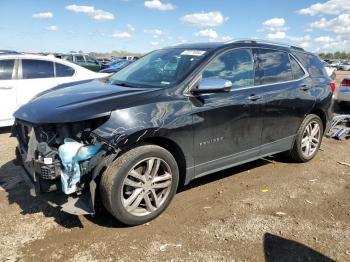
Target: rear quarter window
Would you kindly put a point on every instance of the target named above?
(312, 63)
(63, 70)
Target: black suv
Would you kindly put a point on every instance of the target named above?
(174, 115)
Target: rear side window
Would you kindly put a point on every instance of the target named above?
(312, 63)
(235, 65)
(6, 69)
(274, 67)
(297, 70)
(37, 69)
(63, 70)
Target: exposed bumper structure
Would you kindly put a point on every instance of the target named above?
(43, 170)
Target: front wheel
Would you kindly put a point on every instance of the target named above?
(140, 184)
(308, 139)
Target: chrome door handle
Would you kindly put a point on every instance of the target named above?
(254, 97)
(6, 87)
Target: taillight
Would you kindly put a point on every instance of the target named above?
(345, 82)
(332, 85)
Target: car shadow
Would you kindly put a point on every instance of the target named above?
(11, 181)
(278, 249)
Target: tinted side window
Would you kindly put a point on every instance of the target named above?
(37, 69)
(79, 59)
(274, 66)
(297, 71)
(63, 70)
(235, 65)
(6, 69)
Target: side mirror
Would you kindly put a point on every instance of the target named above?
(213, 85)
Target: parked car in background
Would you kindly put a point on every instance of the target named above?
(335, 64)
(103, 60)
(174, 115)
(23, 76)
(330, 70)
(86, 61)
(345, 66)
(344, 92)
(116, 66)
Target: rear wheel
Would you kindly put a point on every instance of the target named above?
(308, 139)
(140, 184)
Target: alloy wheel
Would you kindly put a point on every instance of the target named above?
(146, 186)
(311, 139)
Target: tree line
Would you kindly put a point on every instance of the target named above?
(335, 55)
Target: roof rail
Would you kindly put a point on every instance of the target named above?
(263, 41)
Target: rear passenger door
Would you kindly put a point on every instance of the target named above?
(287, 95)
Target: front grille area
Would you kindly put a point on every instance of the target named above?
(48, 172)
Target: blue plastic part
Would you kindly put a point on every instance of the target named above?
(71, 154)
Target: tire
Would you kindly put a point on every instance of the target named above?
(127, 176)
(299, 151)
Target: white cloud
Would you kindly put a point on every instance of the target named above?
(226, 38)
(274, 22)
(207, 33)
(96, 14)
(338, 25)
(130, 27)
(157, 4)
(154, 43)
(121, 35)
(204, 19)
(277, 35)
(153, 31)
(45, 15)
(52, 28)
(323, 40)
(331, 7)
(156, 33)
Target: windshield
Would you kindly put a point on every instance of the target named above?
(161, 68)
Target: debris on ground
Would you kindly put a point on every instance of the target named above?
(340, 127)
(165, 246)
(343, 163)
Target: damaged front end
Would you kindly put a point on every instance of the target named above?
(66, 159)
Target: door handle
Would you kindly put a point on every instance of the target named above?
(6, 87)
(254, 97)
(304, 87)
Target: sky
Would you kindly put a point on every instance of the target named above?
(142, 26)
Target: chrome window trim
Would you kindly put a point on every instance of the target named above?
(187, 91)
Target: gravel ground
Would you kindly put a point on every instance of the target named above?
(267, 210)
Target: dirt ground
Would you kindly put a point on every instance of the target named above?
(267, 210)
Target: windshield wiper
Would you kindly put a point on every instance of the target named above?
(125, 84)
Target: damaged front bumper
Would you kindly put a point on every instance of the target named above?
(43, 169)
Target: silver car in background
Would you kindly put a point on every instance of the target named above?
(344, 91)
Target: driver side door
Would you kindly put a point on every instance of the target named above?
(228, 126)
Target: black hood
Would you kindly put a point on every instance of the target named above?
(80, 101)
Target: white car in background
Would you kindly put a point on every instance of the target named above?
(22, 76)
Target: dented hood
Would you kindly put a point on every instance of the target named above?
(80, 101)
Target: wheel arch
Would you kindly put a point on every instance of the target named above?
(321, 114)
(174, 149)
